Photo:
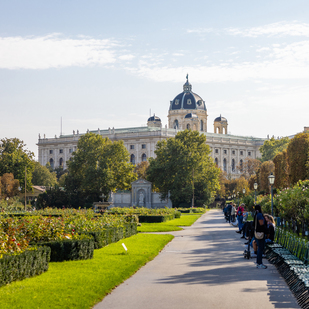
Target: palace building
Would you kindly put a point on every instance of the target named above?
(187, 111)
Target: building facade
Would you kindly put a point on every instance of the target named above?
(187, 111)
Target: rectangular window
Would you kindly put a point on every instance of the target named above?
(216, 151)
(51, 151)
(131, 146)
(70, 150)
(241, 153)
(249, 153)
(143, 146)
(60, 150)
(233, 152)
(225, 151)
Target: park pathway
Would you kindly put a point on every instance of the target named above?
(202, 267)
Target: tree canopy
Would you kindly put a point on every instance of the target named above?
(272, 147)
(183, 164)
(15, 159)
(98, 167)
(8, 186)
(298, 157)
(42, 176)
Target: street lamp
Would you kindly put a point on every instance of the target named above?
(255, 185)
(271, 179)
(238, 198)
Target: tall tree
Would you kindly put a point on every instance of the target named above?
(298, 154)
(41, 176)
(141, 169)
(265, 170)
(281, 170)
(273, 146)
(182, 166)
(98, 167)
(8, 186)
(15, 159)
(249, 167)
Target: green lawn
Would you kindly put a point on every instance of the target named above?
(172, 225)
(81, 284)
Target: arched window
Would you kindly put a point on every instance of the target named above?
(241, 165)
(51, 162)
(176, 125)
(233, 165)
(188, 126)
(202, 125)
(218, 130)
(60, 162)
(216, 161)
(132, 159)
(144, 157)
(224, 164)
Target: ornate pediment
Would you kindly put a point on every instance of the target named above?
(141, 181)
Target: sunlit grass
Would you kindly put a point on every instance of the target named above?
(81, 284)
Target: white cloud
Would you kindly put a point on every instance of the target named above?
(126, 57)
(274, 29)
(53, 51)
(201, 30)
(289, 62)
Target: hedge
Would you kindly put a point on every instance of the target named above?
(71, 249)
(154, 219)
(113, 234)
(30, 263)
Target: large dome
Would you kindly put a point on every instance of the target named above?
(187, 99)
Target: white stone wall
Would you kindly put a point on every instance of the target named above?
(223, 143)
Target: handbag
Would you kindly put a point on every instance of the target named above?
(258, 235)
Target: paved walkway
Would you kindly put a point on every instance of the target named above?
(202, 267)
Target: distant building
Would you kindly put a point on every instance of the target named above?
(187, 111)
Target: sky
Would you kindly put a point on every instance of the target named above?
(100, 64)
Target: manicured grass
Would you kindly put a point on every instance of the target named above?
(172, 225)
(82, 284)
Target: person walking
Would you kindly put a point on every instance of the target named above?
(239, 213)
(259, 235)
(229, 211)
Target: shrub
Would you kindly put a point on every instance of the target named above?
(74, 249)
(27, 264)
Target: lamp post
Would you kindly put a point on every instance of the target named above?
(271, 179)
(255, 188)
(238, 198)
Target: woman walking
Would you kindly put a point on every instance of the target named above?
(259, 235)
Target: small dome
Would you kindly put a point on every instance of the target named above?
(220, 119)
(190, 115)
(154, 118)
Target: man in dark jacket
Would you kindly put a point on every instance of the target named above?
(229, 210)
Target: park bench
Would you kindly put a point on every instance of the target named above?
(290, 255)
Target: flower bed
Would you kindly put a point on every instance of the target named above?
(17, 232)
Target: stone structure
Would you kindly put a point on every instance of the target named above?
(220, 125)
(187, 110)
(141, 196)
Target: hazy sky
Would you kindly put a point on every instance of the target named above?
(100, 64)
